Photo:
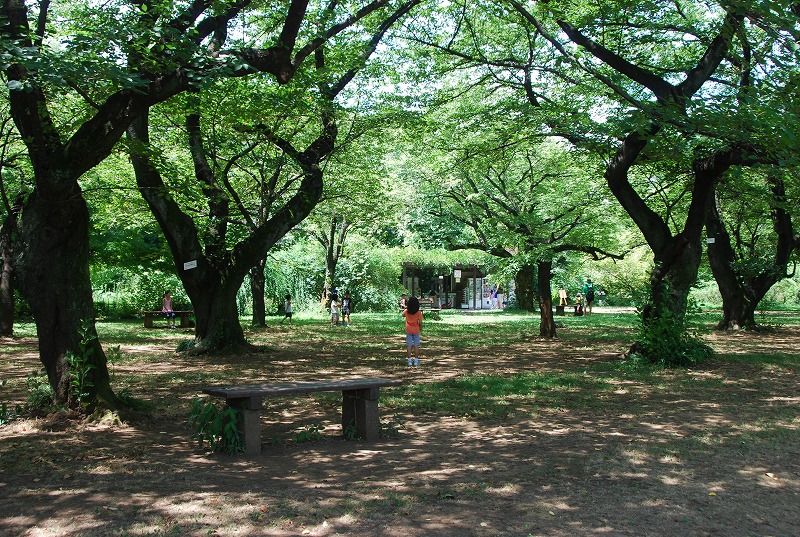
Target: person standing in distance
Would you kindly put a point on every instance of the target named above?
(287, 308)
(413, 317)
(588, 292)
(347, 306)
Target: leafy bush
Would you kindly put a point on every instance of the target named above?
(40, 393)
(219, 428)
(186, 345)
(122, 293)
(309, 433)
(80, 377)
(664, 340)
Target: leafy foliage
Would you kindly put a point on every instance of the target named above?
(308, 433)
(40, 393)
(121, 292)
(218, 428)
(664, 340)
(81, 366)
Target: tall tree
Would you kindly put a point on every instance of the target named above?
(641, 84)
(223, 258)
(515, 198)
(115, 61)
(355, 198)
(749, 253)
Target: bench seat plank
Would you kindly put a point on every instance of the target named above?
(274, 389)
(183, 315)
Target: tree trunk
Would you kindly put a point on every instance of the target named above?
(721, 258)
(7, 231)
(54, 279)
(217, 314)
(671, 279)
(333, 243)
(257, 285)
(547, 326)
(526, 295)
(677, 257)
(213, 284)
(741, 293)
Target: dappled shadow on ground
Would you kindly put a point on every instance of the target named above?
(711, 451)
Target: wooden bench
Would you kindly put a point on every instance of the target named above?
(183, 316)
(359, 404)
(426, 304)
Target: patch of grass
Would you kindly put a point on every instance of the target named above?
(24, 329)
(780, 359)
(495, 396)
(308, 433)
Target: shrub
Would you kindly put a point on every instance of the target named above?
(664, 340)
(219, 428)
(40, 393)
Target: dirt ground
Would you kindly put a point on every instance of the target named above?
(712, 451)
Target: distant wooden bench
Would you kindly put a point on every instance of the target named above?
(183, 316)
(359, 403)
(562, 309)
(426, 304)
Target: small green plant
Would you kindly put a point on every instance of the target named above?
(219, 428)
(185, 345)
(40, 393)
(309, 433)
(113, 356)
(80, 377)
(351, 431)
(81, 366)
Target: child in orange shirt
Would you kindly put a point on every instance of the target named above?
(413, 329)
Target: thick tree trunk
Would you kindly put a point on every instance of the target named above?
(671, 279)
(547, 326)
(220, 270)
(741, 293)
(721, 257)
(257, 286)
(54, 279)
(217, 315)
(526, 295)
(7, 231)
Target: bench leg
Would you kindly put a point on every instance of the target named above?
(148, 320)
(361, 407)
(250, 425)
(184, 320)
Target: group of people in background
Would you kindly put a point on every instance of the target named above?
(343, 306)
(584, 300)
(495, 298)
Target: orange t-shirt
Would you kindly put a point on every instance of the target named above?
(413, 322)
